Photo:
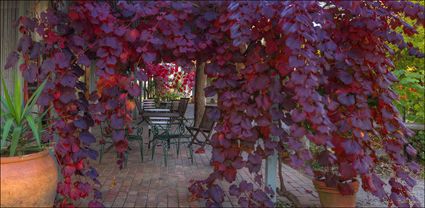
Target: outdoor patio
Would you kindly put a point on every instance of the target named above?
(278, 104)
(152, 184)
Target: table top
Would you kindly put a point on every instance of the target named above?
(157, 110)
(160, 114)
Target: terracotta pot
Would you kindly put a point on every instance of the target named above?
(247, 147)
(331, 197)
(28, 181)
(284, 155)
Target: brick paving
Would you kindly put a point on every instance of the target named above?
(151, 184)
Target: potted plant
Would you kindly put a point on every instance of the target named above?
(247, 146)
(334, 190)
(28, 172)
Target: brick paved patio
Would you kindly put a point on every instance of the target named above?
(151, 184)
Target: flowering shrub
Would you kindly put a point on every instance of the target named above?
(171, 80)
(324, 68)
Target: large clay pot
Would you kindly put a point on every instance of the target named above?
(28, 181)
(331, 197)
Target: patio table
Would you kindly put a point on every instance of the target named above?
(147, 115)
(157, 110)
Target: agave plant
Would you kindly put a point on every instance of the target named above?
(18, 120)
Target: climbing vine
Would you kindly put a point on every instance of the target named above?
(321, 67)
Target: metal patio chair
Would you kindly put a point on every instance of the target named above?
(166, 133)
(205, 128)
(135, 132)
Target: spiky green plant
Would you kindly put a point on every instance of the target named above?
(18, 119)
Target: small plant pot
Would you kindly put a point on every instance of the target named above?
(284, 155)
(331, 197)
(245, 146)
(28, 180)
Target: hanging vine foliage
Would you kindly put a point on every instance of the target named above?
(322, 67)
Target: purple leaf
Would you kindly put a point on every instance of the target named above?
(298, 116)
(216, 193)
(67, 95)
(117, 122)
(24, 43)
(11, 60)
(87, 138)
(346, 170)
(244, 186)
(81, 123)
(35, 51)
(234, 191)
(346, 99)
(149, 57)
(44, 99)
(351, 147)
(78, 41)
(92, 173)
(210, 15)
(101, 52)
(30, 73)
(47, 66)
(260, 82)
(68, 80)
(141, 76)
(295, 62)
(118, 135)
(134, 90)
(298, 78)
(84, 60)
(243, 202)
(326, 158)
(345, 77)
(260, 196)
(62, 60)
(293, 43)
(111, 42)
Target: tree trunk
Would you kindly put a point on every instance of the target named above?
(200, 84)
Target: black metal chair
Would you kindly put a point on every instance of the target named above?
(181, 110)
(205, 128)
(135, 132)
(182, 107)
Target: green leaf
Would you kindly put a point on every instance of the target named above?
(18, 99)
(16, 136)
(33, 100)
(34, 129)
(4, 107)
(5, 132)
(8, 98)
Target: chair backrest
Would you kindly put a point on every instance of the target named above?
(148, 103)
(182, 106)
(206, 122)
(174, 105)
(104, 129)
(138, 105)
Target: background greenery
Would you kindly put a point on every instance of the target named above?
(411, 89)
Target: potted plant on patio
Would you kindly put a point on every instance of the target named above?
(28, 172)
(334, 189)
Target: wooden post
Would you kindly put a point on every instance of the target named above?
(200, 84)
